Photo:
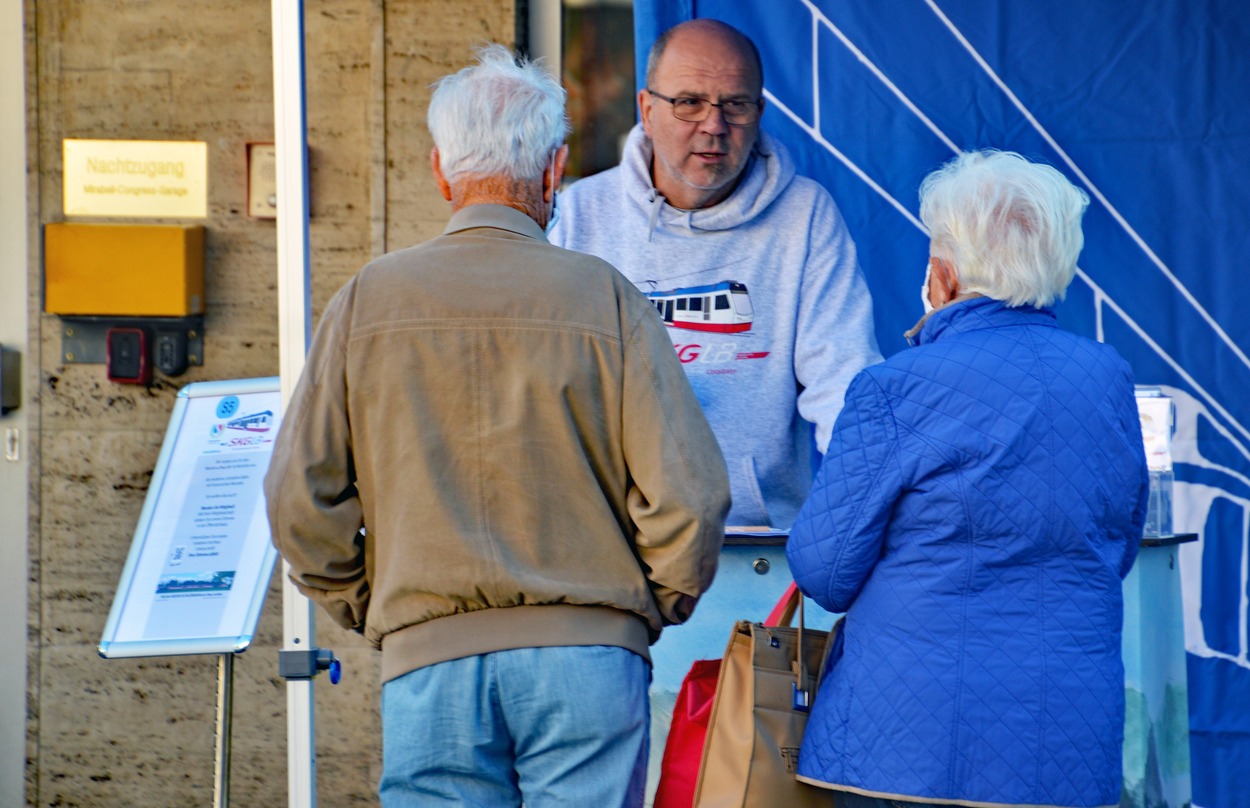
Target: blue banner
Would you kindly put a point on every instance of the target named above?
(1146, 106)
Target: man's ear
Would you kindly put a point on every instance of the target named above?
(552, 179)
(944, 282)
(645, 105)
(444, 187)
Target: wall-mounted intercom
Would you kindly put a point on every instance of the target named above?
(129, 296)
(10, 380)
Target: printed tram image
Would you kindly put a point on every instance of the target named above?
(723, 307)
(256, 422)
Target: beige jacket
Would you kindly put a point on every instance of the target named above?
(509, 423)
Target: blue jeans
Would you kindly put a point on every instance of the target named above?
(545, 726)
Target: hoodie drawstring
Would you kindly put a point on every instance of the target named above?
(657, 202)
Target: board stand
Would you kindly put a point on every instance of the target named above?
(292, 665)
(225, 703)
(175, 600)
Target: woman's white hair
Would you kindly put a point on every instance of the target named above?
(1011, 228)
(503, 116)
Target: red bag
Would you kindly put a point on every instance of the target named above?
(683, 752)
(679, 770)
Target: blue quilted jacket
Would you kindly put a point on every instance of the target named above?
(982, 498)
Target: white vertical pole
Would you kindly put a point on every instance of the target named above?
(291, 145)
(545, 32)
(15, 229)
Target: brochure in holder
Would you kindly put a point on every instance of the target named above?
(201, 558)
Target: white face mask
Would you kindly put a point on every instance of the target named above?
(551, 209)
(924, 288)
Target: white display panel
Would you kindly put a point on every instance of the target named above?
(201, 558)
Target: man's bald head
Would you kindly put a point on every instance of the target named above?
(712, 29)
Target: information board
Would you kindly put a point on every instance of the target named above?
(201, 558)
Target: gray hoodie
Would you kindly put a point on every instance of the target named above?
(765, 302)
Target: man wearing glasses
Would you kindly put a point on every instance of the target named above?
(752, 269)
(750, 265)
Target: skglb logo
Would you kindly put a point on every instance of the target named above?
(715, 354)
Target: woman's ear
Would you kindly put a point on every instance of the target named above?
(943, 282)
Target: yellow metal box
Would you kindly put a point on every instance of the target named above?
(127, 270)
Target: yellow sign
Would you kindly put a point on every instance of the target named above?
(155, 179)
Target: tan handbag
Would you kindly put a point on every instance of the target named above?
(767, 683)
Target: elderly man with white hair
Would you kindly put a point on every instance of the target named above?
(981, 500)
(539, 490)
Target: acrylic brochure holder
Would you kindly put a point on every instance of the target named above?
(1158, 420)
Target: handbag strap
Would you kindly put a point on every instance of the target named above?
(802, 696)
(783, 612)
(781, 616)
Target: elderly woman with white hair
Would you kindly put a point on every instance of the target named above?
(981, 500)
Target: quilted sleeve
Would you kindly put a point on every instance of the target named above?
(839, 533)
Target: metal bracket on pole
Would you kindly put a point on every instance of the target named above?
(307, 664)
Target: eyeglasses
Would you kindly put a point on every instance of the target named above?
(693, 110)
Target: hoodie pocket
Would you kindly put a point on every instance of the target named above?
(755, 511)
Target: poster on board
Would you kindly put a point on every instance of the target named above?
(201, 558)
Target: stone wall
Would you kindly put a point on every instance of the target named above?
(140, 732)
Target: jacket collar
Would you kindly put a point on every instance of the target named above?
(974, 313)
(499, 217)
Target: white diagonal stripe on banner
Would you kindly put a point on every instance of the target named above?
(1106, 203)
(1101, 297)
(819, 17)
(842, 158)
